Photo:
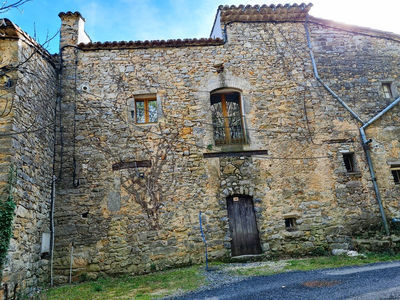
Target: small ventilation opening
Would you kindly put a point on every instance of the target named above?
(348, 159)
(290, 224)
(387, 90)
(396, 173)
(85, 215)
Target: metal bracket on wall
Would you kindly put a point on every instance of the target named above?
(235, 153)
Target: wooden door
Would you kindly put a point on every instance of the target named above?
(243, 226)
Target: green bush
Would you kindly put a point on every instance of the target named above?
(7, 207)
(97, 288)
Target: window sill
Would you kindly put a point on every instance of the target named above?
(145, 124)
(231, 147)
(354, 174)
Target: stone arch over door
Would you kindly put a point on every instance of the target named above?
(245, 238)
(239, 176)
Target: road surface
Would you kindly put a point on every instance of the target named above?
(375, 281)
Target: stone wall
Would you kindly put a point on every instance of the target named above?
(128, 195)
(287, 113)
(29, 150)
(9, 50)
(356, 66)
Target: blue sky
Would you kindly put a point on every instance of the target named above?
(115, 20)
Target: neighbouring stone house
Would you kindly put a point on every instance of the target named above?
(266, 127)
(28, 89)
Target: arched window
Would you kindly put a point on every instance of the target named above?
(227, 117)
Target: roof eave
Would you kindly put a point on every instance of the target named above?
(355, 29)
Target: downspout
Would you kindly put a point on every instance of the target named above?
(365, 143)
(364, 139)
(54, 179)
(53, 189)
(321, 81)
(75, 181)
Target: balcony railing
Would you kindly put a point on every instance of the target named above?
(228, 130)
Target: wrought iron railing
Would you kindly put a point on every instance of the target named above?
(228, 130)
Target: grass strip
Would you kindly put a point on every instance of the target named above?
(155, 285)
(315, 263)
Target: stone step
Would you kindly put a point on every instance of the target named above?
(248, 258)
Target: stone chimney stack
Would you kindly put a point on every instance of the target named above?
(72, 30)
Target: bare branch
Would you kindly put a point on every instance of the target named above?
(4, 7)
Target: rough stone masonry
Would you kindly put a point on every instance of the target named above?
(235, 126)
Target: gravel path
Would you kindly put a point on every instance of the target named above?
(375, 281)
(224, 275)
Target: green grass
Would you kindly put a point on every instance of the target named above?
(161, 284)
(149, 286)
(315, 263)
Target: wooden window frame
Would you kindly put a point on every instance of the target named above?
(146, 109)
(227, 129)
(226, 120)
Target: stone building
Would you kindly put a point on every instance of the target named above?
(28, 91)
(272, 128)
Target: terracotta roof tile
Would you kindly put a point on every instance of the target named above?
(13, 31)
(70, 13)
(151, 44)
(264, 13)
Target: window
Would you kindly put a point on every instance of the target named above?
(348, 159)
(290, 224)
(145, 109)
(387, 90)
(396, 173)
(227, 117)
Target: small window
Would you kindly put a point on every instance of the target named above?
(290, 224)
(396, 173)
(348, 159)
(146, 110)
(387, 90)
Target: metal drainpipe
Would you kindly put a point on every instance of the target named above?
(320, 80)
(53, 192)
(53, 182)
(365, 142)
(364, 139)
(54, 177)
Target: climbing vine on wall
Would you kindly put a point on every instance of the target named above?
(148, 189)
(7, 207)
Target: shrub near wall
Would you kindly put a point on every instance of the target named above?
(7, 207)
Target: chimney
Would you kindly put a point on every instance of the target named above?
(72, 30)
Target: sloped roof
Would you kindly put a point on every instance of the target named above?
(12, 31)
(264, 13)
(151, 44)
(355, 29)
(242, 13)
